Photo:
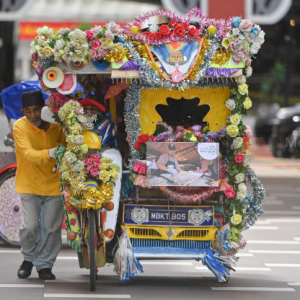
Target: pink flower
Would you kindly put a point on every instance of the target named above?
(240, 56)
(245, 25)
(248, 62)
(94, 54)
(229, 193)
(94, 172)
(89, 34)
(248, 131)
(96, 44)
(239, 158)
(56, 101)
(87, 161)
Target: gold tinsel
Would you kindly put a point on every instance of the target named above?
(94, 199)
(142, 50)
(116, 56)
(221, 57)
(195, 69)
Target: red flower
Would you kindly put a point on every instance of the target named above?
(239, 158)
(246, 146)
(152, 36)
(179, 30)
(153, 138)
(230, 193)
(246, 139)
(143, 138)
(137, 145)
(146, 33)
(192, 32)
(158, 36)
(173, 23)
(73, 222)
(164, 30)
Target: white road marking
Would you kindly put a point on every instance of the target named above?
(273, 202)
(88, 296)
(297, 238)
(282, 212)
(175, 263)
(263, 222)
(67, 257)
(264, 227)
(21, 286)
(295, 207)
(274, 252)
(244, 254)
(63, 236)
(283, 265)
(239, 269)
(273, 242)
(294, 283)
(253, 289)
(10, 251)
(279, 220)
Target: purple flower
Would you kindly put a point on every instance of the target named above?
(162, 136)
(196, 128)
(213, 135)
(223, 131)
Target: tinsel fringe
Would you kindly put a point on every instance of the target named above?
(126, 265)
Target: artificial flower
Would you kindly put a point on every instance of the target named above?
(179, 30)
(239, 158)
(243, 89)
(192, 32)
(112, 29)
(232, 130)
(230, 193)
(236, 219)
(248, 71)
(240, 177)
(241, 195)
(77, 166)
(240, 79)
(248, 131)
(255, 48)
(45, 31)
(106, 43)
(230, 104)
(247, 103)
(165, 30)
(106, 160)
(237, 143)
(84, 148)
(70, 157)
(89, 34)
(74, 139)
(245, 25)
(153, 28)
(242, 187)
(114, 174)
(104, 176)
(115, 167)
(236, 22)
(235, 119)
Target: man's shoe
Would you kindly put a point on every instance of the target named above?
(25, 269)
(46, 274)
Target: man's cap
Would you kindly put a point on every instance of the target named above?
(171, 147)
(91, 102)
(32, 98)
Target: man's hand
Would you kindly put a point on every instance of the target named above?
(52, 152)
(172, 171)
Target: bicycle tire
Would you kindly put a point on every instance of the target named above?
(91, 240)
(15, 213)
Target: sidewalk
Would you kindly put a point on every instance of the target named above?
(266, 165)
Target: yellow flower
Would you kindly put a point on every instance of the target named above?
(106, 43)
(104, 166)
(193, 139)
(235, 119)
(247, 103)
(114, 174)
(232, 130)
(236, 219)
(115, 167)
(106, 160)
(243, 89)
(104, 176)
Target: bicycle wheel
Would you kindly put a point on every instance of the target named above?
(91, 241)
(10, 209)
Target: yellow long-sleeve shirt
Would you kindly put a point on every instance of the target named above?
(34, 172)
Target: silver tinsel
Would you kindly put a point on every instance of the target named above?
(253, 202)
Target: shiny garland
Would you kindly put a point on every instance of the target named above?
(254, 209)
(93, 198)
(222, 57)
(116, 56)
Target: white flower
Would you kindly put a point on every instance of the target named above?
(63, 31)
(250, 36)
(240, 177)
(254, 48)
(59, 45)
(230, 103)
(70, 157)
(77, 166)
(240, 79)
(45, 31)
(96, 30)
(241, 195)
(112, 29)
(77, 34)
(242, 187)
(248, 71)
(237, 143)
(153, 28)
(77, 139)
(260, 39)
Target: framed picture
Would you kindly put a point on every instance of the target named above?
(182, 164)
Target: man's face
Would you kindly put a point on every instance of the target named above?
(172, 152)
(33, 114)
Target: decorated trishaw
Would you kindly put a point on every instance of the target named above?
(167, 101)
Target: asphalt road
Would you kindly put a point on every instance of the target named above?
(269, 267)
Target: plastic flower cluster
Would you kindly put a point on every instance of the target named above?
(101, 169)
(77, 46)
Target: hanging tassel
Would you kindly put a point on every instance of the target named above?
(219, 265)
(126, 264)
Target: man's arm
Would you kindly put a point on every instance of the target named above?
(37, 157)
